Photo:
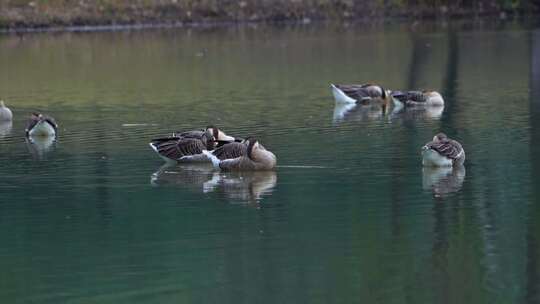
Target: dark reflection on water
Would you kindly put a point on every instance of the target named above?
(443, 181)
(5, 128)
(349, 215)
(41, 145)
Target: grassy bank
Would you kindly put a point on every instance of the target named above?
(46, 13)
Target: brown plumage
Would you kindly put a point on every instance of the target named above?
(231, 150)
(183, 148)
(443, 151)
(254, 158)
(363, 93)
(446, 147)
(188, 146)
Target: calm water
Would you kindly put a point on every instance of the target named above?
(348, 216)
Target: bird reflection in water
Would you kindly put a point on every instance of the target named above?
(191, 176)
(353, 112)
(39, 146)
(419, 112)
(5, 128)
(245, 187)
(242, 186)
(443, 181)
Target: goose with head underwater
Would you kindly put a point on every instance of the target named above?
(247, 155)
(185, 147)
(5, 112)
(442, 152)
(418, 98)
(41, 125)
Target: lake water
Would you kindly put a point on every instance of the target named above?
(348, 216)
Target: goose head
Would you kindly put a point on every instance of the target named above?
(208, 139)
(36, 116)
(439, 137)
(253, 145)
(219, 135)
(2, 105)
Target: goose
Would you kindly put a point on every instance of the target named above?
(247, 155)
(5, 112)
(184, 149)
(360, 93)
(442, 152)
(418, 98)
(41, 125)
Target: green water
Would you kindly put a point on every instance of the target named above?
(349, 216)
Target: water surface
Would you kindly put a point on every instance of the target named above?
(348, 216)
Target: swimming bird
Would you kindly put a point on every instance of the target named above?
(418, 98)
(184, 149)
(442, 152)
(41, 125)
(5, 112)
(187, 146)
(360, 93)
(247, 155)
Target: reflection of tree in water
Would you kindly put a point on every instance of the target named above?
(450, 85)
(440, 213)
(101, 169)
(533, 228)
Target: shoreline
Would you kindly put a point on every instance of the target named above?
(33, 17)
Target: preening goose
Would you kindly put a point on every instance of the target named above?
(5, 112)
(360, 93)
(418, 98)
(442, 152)
(184, 148)
(41, 125)
(248, 155)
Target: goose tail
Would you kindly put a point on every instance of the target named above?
(152, 145)
(340, 96)
(215, 161)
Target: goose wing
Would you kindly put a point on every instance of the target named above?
(230, 150)
(410, 97)
(448, 148)
(31, 123)
(360, 92)
(51, 121)
(177, 147)
(189, 134)
(356, 91)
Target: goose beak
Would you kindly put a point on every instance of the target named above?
(226, 138)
